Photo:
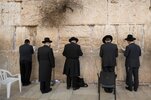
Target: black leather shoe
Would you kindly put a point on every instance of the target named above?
(68, 87)
(47, 91)
(135, 90)
(128, 88)
(75, 88)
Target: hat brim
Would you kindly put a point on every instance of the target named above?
(46, 41)
(107, 36)
(73, 39)
(130, 39)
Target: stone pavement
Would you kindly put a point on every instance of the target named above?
(60, 92)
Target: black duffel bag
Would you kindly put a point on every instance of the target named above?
(81, 83)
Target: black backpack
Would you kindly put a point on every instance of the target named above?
(81, 83)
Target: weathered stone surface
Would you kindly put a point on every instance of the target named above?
(145, 68)
(126, 11)
(93, 12)
(52, 33)
(10, 13)
(82, 32)
(0, 13)
(147, 31)
(23, 33)
(21, 19)
(6, 37)
(9, 60)
(30, 13)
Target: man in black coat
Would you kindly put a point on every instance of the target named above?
(46, 63)
(72, 51)
(108, 53)
(26, 51)
(132, 63)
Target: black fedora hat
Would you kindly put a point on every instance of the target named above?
(46, 39)
(73, 38)
(107, 36)
(130, 38)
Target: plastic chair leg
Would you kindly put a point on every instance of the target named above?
(8, 90)
(20, 85)
(98, 88)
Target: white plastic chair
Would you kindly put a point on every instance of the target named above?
(6, 78)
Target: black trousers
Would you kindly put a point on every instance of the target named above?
(25, 70)
(45, 86)
(133, 79)
(127, 81)
(72, 81)
(108, 69)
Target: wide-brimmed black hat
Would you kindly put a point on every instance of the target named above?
(73, 38)
(130, 38)
(107, 36)
(46, 39)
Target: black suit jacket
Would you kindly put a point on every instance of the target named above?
(46, 62)
(132, 54)
(72, 51)
(26, 52)
(108, 53)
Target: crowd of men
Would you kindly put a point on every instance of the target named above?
(72, 51)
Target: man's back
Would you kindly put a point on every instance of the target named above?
(72, 50)
(132, 54)
(108, 53)
(26, 52)
(44, 53)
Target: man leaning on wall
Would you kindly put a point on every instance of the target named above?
(26, 51)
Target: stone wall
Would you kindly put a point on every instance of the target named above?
(21, 19)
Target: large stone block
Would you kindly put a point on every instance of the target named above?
(145, 69)
(147, 38)
(35, 67)
(23, 33)
(59, 65)
(9, 60)
(81, 32)
(30, 12)
(52, 33)
(93, 12)
(10, 19)
(98, 32)
(120, 68)
(142, 11)
(10, 13)
(90, 66)
(7, 37)
(11, 7)
(126, 11)
(136, 30)
(0, 13)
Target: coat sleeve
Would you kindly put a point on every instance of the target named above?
(38, 55)
(116, 51)
(101, 54)
(32, 50)
(80, 51)
(64, 51)
(126, 53)
(52, 59)
(139, 51)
